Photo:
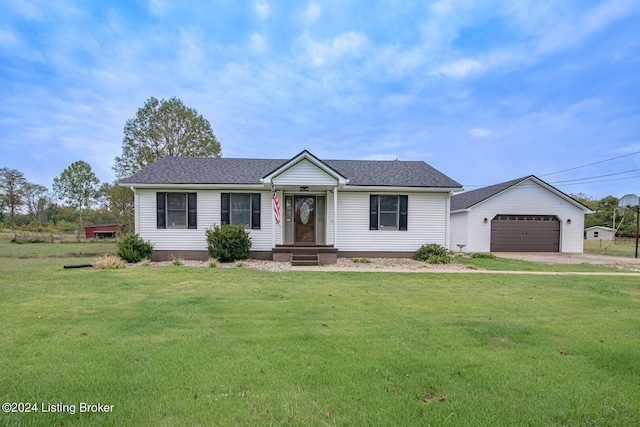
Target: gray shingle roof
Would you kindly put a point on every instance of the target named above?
(211, 170)
(470, 198)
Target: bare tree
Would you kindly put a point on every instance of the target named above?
(36, 200)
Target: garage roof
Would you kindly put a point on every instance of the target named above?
(469, 199)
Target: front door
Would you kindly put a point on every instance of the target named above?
(305, 219)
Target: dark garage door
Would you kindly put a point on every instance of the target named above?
(525, 233)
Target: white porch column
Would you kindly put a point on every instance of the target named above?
(335, 217)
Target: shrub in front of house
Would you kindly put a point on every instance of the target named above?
(228, 242)
(132, 248)
(433, 253)
(109, 262)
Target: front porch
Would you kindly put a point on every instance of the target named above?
(305, 255)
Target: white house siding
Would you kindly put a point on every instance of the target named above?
(458, 231)
(304, 173)
(208, 215)
(526, 198)
(426, 223)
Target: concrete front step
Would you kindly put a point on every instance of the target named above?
(304, 260)
(305, 255)
(302, 257)
(304, 263)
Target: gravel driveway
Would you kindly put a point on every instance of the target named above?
(557, 258)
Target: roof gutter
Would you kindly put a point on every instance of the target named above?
(196, 186)
(261, 186)
(365, 188)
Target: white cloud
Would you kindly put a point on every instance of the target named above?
(157, 7)
(258, 43)
(552, 26)
(8, 39)
(263, 9)
(482, 133)
(311, 13)
(25, 9)
(460, 68)
(347, 44)
(191, 52)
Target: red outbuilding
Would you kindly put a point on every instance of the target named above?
(101, 231)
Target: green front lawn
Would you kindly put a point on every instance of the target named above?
(197, 346)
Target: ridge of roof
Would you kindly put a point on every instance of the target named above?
(228, 170)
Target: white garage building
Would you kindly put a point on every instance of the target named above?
(522, 215)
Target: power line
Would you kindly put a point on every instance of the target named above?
(591, 164)
(602, 180)
(571, 182)
(594, 177)
(587, 180)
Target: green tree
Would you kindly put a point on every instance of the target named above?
(12, 183)
(589, 202)
(161, 129)
(605, 211)
(119, 200)
(77, 185)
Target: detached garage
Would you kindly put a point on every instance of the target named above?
(522, 215)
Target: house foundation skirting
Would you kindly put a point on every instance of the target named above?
(375, 254)
(282, 254)
(166, 255)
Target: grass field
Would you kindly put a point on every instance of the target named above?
(197, 346)
(622, 247)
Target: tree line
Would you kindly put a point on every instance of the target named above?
(607, 214)
(160, 128)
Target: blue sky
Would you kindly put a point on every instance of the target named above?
(485, 91)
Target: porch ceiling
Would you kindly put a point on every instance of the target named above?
(305, 188)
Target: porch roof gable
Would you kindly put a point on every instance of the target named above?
(312, 164)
